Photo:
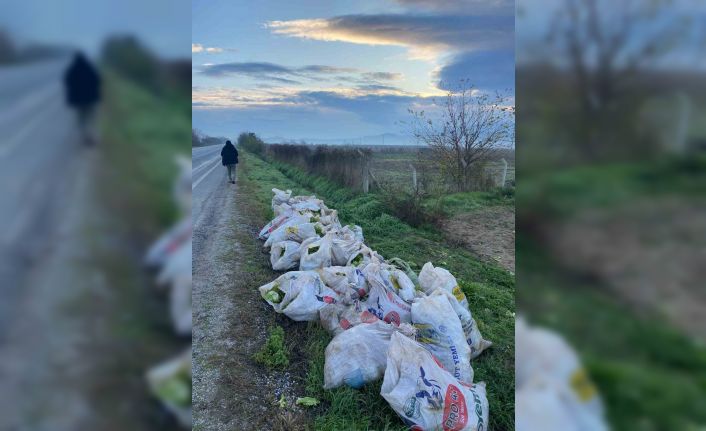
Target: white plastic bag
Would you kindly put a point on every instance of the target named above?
(390, 278)
(439, 331)
(180, 306)
(283, 232)
(383, 301)
(284, 255)
(348, 282)
(280, 197)
(470, 328)
(177, 266)
(548, 369)
(359, 355)
(425, 395)
(343, 246)
(170, 383)
(275, 223)
(336, 318)
(315, 253)
(298, 294)
(168, 243)
(431, 278)
(363, 257)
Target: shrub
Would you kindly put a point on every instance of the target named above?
(274, 353)
(252, 143)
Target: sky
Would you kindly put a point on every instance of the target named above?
(340, 69)
(162, 25)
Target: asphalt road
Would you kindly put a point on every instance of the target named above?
(38, 155)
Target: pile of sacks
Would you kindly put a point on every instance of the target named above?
(552, 389)
(414, 331)
(170, 255)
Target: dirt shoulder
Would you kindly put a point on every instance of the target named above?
(230, 321)
(488, 232)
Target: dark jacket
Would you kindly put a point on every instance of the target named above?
(83, 83)
(229, 155)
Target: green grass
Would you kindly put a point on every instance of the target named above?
(274, 353)
(143, 134)
(489, 288)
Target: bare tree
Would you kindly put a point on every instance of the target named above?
(604, 42)
(470, 124)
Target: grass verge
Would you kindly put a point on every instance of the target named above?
(274, 353)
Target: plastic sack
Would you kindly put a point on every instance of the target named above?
(439, 331)
(363, 257)
(284, 255)
(348, 282)
(473, 336)
(431, 278)
(180, 306)
(298, 294)
(177, 266)
(168, 243)
(390, 278)
(383, 301)
(275, 223)
(359, 355)
(547, 367)
(425, 395)
(343, 246)
(280, 197)
(404, 266)
(284, 231)
(315, 253)
(170, 383)
(336, 318)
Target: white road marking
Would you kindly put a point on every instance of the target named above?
(193, 186)
(27, 103)
(27, 128)
(193, 171)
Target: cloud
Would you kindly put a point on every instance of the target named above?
(425, 36)
(484, 70)
(297, 75)
(461, 6)
(199, 48)
(383, 76)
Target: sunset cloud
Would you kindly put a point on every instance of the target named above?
(425, 36)
(199, 48)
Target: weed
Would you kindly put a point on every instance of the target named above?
(274, 353)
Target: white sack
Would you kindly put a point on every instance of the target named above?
(382, 300)
(363, 257)
(170, 382)
(470, 328)
(546, 363)
(431, 278)
(439, 331)
(336, 318)
(280, 197)
(168, 243)
(178, 265)
(298, 294)
(426, 396)
(284, 255)
(180, 306)
(315, 253)
(348, 282)
(283, 232)
(359, 355)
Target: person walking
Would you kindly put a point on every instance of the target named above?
(83, 92)
(229, 157)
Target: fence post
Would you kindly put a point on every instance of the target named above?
(502, 184)
(414, 177)
(366, 171)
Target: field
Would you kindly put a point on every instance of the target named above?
(489, 288)
(392, 165)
